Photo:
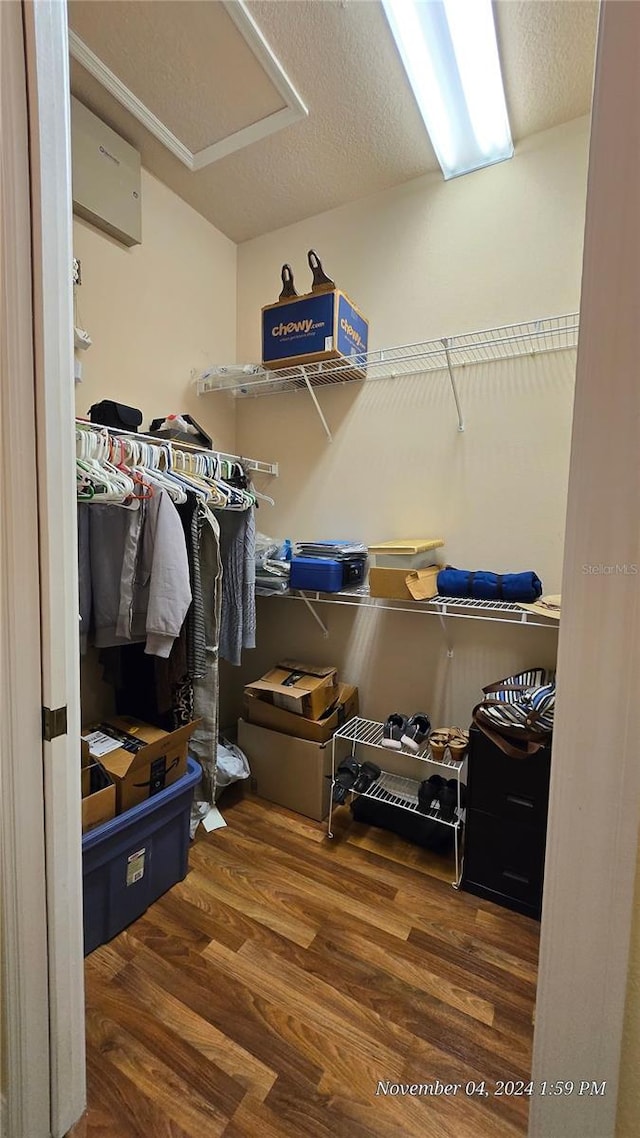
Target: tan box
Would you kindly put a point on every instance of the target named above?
(147, 760)
(405, 553)
(394, 583)
(264, 714)
(303, 689)
(98, 791)
(295, 773)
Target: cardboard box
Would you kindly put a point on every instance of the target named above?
(405, 553)
(141, 759)
(303, 689)
(394, 583)
(264, 714)
(98, 791)
(289, 771)
(315, 327)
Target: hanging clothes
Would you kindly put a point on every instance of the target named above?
(139, 574)
(204, 741)
(238, 550)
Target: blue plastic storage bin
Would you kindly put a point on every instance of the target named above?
(326, 574)
(133, 859)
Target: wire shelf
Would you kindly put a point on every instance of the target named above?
(457, 607)
(531, 338)
(370, 733)
(403, 792)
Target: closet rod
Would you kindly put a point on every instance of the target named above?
(254, 464)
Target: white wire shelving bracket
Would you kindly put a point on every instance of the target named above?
(449, 353)
(397, 790)
(253, 464)
(502, 612)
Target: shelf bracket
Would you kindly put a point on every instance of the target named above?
(316, 616)
(445, 344)
(445, 633)
(316, 404)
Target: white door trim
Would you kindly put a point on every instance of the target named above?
(595, 776)
(24, 993)
(49, 121)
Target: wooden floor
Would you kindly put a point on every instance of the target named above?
(270, 993)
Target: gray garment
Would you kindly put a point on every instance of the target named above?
(196, 634)
(139, 574)
(84, 574)
(238, 549)
(204, 741)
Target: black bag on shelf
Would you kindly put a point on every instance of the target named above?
(413, 827)
(200, 438)
(108, 413)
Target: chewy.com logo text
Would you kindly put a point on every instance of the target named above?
(304, 326)
(351, 332)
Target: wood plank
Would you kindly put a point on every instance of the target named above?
(200, 1075)
(153, 1074)
(279, 888)
(269, 993)
(118, 1107)
(236, 1062)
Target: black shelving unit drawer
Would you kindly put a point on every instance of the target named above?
(516, 790)
(504, 858)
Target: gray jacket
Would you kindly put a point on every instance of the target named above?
(139, 574)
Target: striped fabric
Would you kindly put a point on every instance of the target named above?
(522, 704)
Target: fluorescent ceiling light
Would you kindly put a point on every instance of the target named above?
(450, 54)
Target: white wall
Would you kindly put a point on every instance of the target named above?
(424, 260)
(155, 312)
(158, 310)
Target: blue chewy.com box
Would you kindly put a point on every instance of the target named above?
(313, 328)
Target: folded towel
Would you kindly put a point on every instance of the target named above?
(513, 587)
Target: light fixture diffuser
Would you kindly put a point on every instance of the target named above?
(450, 54)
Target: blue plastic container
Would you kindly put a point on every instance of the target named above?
(326, 574)
(132, 860)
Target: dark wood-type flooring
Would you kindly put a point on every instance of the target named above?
(268, 994)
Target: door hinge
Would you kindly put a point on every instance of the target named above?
(54, 723)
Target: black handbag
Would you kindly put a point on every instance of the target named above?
(108, 413)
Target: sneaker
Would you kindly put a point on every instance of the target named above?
(448, 799)
(417, 731)
(429, 791)
(393, 731)
(369, 773)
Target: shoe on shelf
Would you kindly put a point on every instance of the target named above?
(346, 775)
(439, 741)
(448, 799)
(369, 773)
(417, 731)
(429, 791)
(458, 743)
(393, 730)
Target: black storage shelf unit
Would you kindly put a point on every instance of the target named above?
(506, 825)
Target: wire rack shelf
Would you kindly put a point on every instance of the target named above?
(530, 338)
(370, 733)
(502, 612)
(403, 792)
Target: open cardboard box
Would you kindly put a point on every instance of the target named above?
(98, 791)
(141, 759)
(263, 714)
(404, 584)
(308, 690)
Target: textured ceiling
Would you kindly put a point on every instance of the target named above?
(185, 60)
(178, 58)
